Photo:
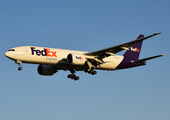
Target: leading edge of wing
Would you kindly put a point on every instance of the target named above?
(118, 48)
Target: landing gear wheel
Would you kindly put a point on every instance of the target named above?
(94, 72)
(20, 68)
(69, 76)
(86, 70)
(90, 71)
(73, 76)
(76, 78)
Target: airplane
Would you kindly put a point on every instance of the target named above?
(51, 60)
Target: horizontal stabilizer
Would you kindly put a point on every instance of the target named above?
(145, 59)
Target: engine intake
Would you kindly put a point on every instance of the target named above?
(46, 70)
(76, 59)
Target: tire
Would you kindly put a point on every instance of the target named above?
(72, 76)
(85, 70)
(94, 72)
(76, 78)
(69, 76)
(20, 68)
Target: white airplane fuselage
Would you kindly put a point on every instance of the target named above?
(56, 57)
(51, 60)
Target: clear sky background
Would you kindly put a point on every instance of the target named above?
(141, 93)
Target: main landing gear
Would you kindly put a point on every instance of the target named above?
(90, 71)
(19, 63)
(73, 76)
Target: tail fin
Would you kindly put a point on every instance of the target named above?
(134, 51)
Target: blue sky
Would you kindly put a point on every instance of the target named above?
(131, 94)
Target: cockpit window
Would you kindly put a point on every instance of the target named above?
(11, 50)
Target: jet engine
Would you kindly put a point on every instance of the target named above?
(76, 59)
(46, 70)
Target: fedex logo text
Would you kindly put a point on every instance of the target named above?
(45, 52)
(79, 57)
(134, 49)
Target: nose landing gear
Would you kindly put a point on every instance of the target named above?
(19, 63)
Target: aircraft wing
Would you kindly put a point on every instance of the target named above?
(115, 49)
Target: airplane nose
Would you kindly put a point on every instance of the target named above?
(6, 54)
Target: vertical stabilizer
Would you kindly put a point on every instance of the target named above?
(134, 51)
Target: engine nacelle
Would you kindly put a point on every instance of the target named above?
(76, 59)
(46, 70)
